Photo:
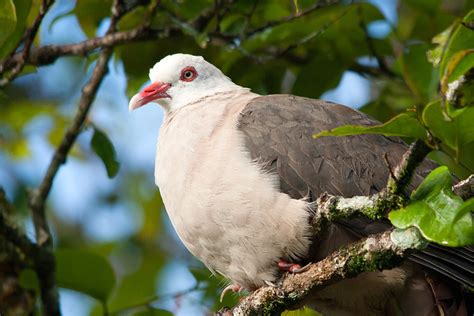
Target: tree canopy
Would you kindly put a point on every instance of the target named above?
(77, 169)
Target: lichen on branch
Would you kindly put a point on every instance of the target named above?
(382, 251)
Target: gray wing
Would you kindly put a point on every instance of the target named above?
(278, 133)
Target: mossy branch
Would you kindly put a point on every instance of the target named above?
(382, 251)
(378, 252)
(330, 208)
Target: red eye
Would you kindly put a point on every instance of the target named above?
(188, 74)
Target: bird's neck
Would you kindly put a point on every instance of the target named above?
(200, 95)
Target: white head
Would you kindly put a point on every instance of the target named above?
(180, 79)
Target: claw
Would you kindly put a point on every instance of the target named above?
(231, 287)
(270, 284)
(300, 269)
(292, 267)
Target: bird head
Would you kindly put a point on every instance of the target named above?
(180, 79)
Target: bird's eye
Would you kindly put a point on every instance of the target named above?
(188, 74)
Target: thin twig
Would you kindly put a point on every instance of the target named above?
(261, 58)
(370, 43)
(45, 261)
(28, 38)
(318, 5)
(465, 188)
(157, 298)
(48, 54)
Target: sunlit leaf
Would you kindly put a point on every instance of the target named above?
(441, 216)
(86, 272)
(104, 148)
(460, 63)
(454, 129)
(405, 124)
(8, 19)
(462, 38)
(22, 8)
(434, 55)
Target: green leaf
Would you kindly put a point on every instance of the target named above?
(322, 74)
(232, 24)
(405, 124)
(8, 19)
(459, 64)
(86, 272)
(29, 280)
(22, 8)
(462, 38)
(418, 73)
(444, 159)
(441, 216)
(138, 285)
(153, 312)
(301, 312)
(425, 5)
(454, 129)
(104, 148)
(90, 13)
(200, 273)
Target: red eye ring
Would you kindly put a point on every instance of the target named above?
(188, 74)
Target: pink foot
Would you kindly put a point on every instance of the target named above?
(231, 287)
(291, 267)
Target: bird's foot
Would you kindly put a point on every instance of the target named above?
(292, 267)
(236, 288)
(270, 284)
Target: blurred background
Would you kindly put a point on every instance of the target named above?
(352, 53)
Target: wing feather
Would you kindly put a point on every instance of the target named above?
(278, 131)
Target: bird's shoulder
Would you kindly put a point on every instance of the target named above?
(278, 132)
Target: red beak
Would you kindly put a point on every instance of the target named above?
(156, 90)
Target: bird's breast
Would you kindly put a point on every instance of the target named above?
(226, 211)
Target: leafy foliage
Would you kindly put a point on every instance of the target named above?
(104, 148)
(405, 124)
(269, 46)
(441, 216)
(85, 272)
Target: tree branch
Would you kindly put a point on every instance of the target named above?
(28, 38)
(465, 188)
(370, 43)
(48, 54)
(318, 5)
(44, 260)
(329, 208)
(377, 252)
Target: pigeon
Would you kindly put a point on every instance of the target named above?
(239, 172)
